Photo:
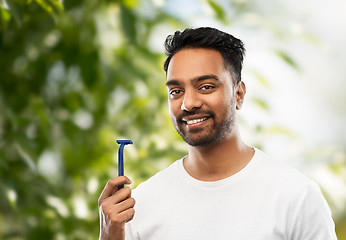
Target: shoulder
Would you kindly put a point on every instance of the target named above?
(269, 168)
(280, 175)
(308, 213)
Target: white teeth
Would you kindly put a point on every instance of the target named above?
(196, 121)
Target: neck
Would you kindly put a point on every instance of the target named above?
(218, 161)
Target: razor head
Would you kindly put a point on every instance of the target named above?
(124, 142)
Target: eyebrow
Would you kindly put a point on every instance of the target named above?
(196, 79)
(206, 77)
(172, 82)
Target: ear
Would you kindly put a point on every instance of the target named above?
(240, 91)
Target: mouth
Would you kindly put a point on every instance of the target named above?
(194, 121)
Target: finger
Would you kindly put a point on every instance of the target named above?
(119, 196)
(115, 212)
(112, 187)
(126, 215)
(126, 204)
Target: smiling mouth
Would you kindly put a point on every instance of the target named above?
(194, 121)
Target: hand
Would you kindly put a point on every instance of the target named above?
(116, 208)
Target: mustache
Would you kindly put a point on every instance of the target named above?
(194, 112)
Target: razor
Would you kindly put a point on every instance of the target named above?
(122, 143)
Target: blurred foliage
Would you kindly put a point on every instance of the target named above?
(74, 78)
(72, 82)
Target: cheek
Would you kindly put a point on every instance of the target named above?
(221, 105)
(173, 107)
(227, 99)
(218, 102)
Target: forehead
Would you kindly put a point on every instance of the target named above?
(189, 63)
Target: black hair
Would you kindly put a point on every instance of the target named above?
(231, 49)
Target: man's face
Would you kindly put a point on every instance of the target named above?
(201, 96)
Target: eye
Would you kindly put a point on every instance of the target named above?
(207, 88)
(175, 93)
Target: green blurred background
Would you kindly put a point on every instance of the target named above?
(77, 75)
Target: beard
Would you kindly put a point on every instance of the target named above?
(215, 132)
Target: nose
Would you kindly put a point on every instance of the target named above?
(191, 101)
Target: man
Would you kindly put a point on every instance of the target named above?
(223, 189)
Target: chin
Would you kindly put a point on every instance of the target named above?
(202, 141)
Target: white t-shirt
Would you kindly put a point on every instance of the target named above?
(265, 200)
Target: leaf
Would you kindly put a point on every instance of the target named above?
(52, 7)
(280, 130)
(26, 157)
(261, 79)
(128, 23)
(288, 59)
(130, 3)
(262, 104)
(5, 18)
(15, 11)
(220, 13)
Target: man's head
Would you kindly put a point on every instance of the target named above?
(231, 49)
(203, 95)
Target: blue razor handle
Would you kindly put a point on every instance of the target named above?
(121, 157)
